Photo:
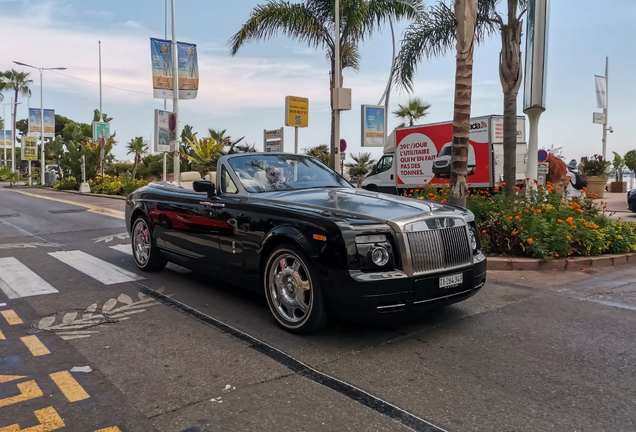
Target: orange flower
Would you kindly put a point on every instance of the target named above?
(559, 221)
(424, 180)
(571, 208)
(569, 220)
(579, 210)
(536, 181)
(569, 238)
(516, 188)
(538, 210)
(503, 184)
(527, 178)
(411, 191)
(530, 186)
(562, 202)
(556, 255)
(483, 231)
(529, 240)
(519, 212)
(496, 188)
(515, 232)
(509, 217)
(574, 226)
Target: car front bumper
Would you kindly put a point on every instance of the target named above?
(393, 293)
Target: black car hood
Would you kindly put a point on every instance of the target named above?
(360, 203)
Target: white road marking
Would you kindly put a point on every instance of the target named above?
(104, 272)
(17, 280)
(613, 304)
(127, 249)
(2, 304)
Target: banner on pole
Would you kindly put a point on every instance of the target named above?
(536, 69)
(188, 69)
(5, 142)
(101, 131)
(35, 123)
(162, 131)
(601, 91)
(373, 129)
(29, 149)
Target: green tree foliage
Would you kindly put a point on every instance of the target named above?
(361, 166)
(630, 160)
(18, 83)
(320, 152)
(75, 149)
(312, 22)
(414, 110)
(105, 117)
(137, 147)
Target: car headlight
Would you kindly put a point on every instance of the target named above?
(380, 256)
(374, 252)
(472, 236)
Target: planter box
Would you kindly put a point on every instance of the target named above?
(618, 187)
(595, 186)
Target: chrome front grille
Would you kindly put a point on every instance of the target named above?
(434, 250)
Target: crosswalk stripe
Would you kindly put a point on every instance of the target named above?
(127, 249)
(17, 280)
(35, 345)
(70, 387)
(98, 269)
(11, 317)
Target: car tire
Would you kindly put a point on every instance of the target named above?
(293, 290)
(146, 255)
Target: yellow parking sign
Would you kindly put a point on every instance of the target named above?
(296, 111)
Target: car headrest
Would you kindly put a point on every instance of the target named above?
(211, 175)
(189, 176)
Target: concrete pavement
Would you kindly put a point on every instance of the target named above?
(533, 351)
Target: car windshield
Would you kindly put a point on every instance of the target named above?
(276, 172)
(445, 151)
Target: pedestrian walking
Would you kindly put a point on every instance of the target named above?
(575, 180)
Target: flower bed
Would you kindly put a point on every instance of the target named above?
(111, 185)
(542, 224)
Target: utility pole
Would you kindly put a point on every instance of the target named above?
(13, 134)
(606, 106)
(4, 131)
(336, 128)
(165, 101)
(102, 143)
(175, 90)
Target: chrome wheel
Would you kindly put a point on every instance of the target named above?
(141, 243)
(290, 289)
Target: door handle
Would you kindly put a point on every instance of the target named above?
(391, 176)
(209, 204)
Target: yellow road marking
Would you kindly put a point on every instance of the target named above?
(2, 336)
(110, 429)
(28, 390)
(49, 421)
(91, 208)
(11, 317)
(34, 345)
(71, 388)
(7, 378)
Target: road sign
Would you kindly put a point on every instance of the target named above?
(543, 155)
(543, 168)
(296, 111)
(598, 118)
(343, 146)
(273, 140)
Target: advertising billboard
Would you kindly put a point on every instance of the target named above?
(101, 130)
(424, 154)
(5, 139)
(162, 131)
(188, 69)
(29, 149)
(35, 123)
(373, 128)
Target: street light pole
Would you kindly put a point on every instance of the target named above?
(175, 91)
(336, 127)
(43, 161)
(606, 106)
(4, 131)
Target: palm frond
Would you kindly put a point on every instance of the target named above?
(282, 17)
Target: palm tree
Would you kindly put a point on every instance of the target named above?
(137, 147)
(204, 154)
(320, 152)
(433, 34)
(313, 22)
(414, 110)
(363, 164)
(225, 140)
(18, 82)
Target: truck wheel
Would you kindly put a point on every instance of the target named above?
(293, 291)
(372, 188)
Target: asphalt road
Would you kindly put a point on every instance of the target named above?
(175, 351)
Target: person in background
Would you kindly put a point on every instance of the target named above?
(575, 181)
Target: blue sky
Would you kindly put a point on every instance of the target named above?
(245, 94)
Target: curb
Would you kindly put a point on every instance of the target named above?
(570, 264)
(119, 197)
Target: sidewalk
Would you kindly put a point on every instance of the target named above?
(617, 202)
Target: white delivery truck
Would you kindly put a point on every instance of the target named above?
(418, 155)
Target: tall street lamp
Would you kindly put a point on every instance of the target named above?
(42, 162)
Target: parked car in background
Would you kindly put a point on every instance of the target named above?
(290, 227)
(631, 200)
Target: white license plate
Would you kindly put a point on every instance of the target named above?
(451, 281)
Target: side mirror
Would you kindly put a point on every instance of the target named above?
(204, 186)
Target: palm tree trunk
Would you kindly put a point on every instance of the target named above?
(510, 74)
(134, 173)
(466, 13)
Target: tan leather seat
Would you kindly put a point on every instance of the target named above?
(211, 175)
(186, 179)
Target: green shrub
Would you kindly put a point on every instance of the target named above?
(129, 184)
(542, 224)
(118, 168)
(108, 185)
(66, 183)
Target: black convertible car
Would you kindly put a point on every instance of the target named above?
(291, 227)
